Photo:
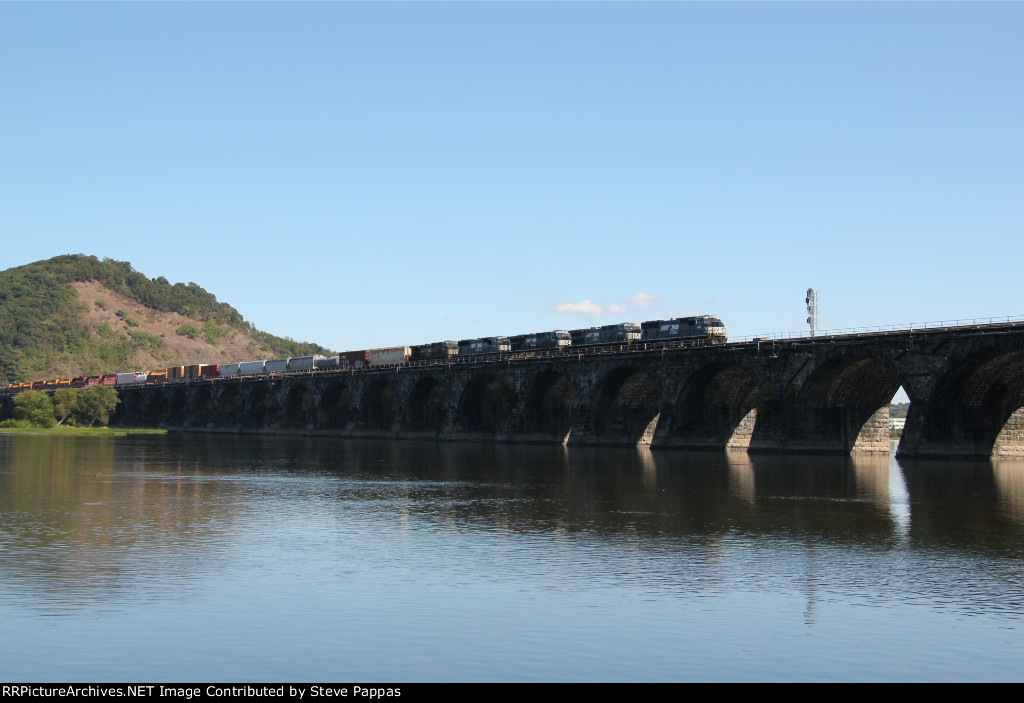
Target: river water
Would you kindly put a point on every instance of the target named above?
(226, 558)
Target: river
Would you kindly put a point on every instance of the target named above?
(249, 558)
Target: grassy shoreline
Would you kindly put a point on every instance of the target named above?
(79, 431)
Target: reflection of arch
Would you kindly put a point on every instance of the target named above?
(976, 407)
(262, 410)
(628, 406)
(428, 405)
(336, 407)
(484, 406)
(300, 408)
(380, 406)
(551, 405)
(715, 408)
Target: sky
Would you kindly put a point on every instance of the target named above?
(373, 174)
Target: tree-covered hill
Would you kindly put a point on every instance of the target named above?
(76, 314)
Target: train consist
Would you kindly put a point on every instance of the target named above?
(702, 329)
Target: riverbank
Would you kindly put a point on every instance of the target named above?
(76, 431)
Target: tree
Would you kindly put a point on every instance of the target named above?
(65, 400)
(95, 404)
(36, 407)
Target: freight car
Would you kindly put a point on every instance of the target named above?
(705, 329)
(389, 356)
(326, 363)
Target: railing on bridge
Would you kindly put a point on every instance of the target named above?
(906, 327)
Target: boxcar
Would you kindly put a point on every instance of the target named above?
(388, 356)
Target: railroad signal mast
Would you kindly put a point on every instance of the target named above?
(812, 309)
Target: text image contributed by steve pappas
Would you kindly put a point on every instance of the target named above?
(190, 692)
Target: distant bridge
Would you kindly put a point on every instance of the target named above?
(824, 394)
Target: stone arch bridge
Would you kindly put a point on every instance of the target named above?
(813, 395)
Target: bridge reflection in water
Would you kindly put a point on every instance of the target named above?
(826, 394)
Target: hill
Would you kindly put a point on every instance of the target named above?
(76, 315)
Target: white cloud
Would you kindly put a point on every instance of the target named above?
(587, 307)
(643, 300)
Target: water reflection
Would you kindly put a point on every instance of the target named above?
(119, 523)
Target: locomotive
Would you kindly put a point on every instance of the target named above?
(701, 329)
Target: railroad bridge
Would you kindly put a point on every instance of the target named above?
(824, 394)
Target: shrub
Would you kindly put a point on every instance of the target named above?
(189, 331)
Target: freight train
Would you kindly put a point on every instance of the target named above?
(701, 329)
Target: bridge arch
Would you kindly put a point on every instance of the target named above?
(551, 406)
(974, 411)
(381, 406)
(484, 406)
(177, 403)
(262, 410)
(716, 409)
(627, 406)
(203, 407)
(843, 406)
(336, 408)
(428, 406)
(229, 406)
(151, 408)
(300, 407)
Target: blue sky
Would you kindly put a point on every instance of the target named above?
(370, 174)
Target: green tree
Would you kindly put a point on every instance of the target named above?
(35, 407)
(95, 404)
(65, 400)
